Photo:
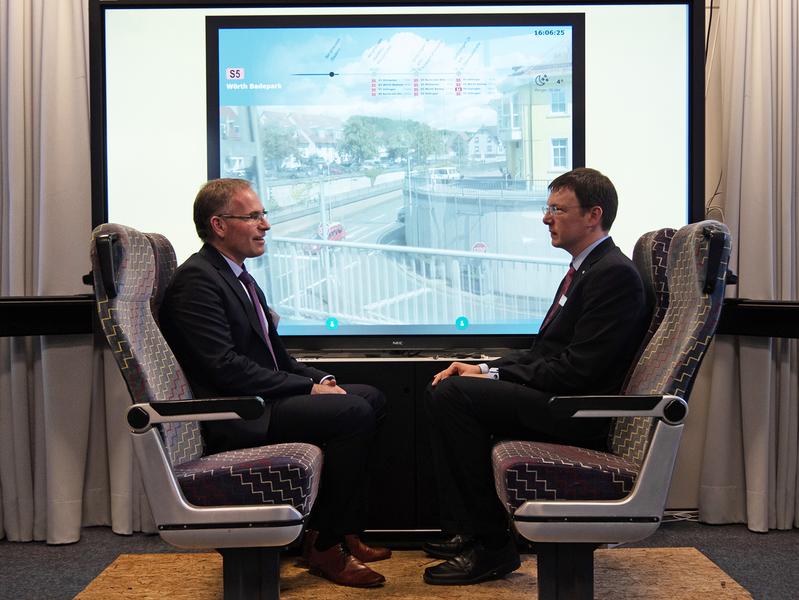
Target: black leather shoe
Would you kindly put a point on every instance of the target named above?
(475, 564)
(449, 548)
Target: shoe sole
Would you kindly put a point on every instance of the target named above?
(321, 574)
(495, 574)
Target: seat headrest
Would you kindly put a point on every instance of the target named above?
(122, 261)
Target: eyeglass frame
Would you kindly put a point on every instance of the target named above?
(254, 217)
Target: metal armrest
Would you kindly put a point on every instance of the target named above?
(142, 416)
(672, 409)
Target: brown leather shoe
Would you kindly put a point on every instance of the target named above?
(342, 568)
(363, 552)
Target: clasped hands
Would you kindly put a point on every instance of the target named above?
(328, 386)
(458, 368)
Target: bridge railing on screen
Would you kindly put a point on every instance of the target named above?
(379, 284)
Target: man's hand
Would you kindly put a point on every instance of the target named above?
(327, 388)
(457, 368)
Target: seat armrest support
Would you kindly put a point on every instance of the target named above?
(186, 525)
(142, 416)
(671, 409)
(628, 519)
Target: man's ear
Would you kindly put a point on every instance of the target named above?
(218, 226)
(596, 215)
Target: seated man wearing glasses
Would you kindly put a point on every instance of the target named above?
(217, 322)
(585, 346)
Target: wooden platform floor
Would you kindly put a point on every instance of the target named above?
(620, 574)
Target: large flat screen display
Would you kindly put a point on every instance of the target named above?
(403, 152)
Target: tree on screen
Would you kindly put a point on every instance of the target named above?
(279, 143)
(360, 139)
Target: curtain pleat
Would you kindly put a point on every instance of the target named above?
(749, 472)
(16, 475)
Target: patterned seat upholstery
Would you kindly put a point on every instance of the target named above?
(650, 255)
(276, 474)
(683, 321)
(541, 471)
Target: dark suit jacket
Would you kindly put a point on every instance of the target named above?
(588, 346)
(212, 327)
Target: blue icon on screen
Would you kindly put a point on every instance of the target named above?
(331, 323)
(461, 323)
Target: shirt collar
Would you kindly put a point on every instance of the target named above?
(578, 260)
(237, 270)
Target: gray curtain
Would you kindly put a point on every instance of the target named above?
(65, 459)
(749, 469)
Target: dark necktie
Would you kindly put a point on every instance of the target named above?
(249, 283)
(564, 287)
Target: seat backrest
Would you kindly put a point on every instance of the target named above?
(165, 265)
(128, 284)
(650, 255)
(691, 304)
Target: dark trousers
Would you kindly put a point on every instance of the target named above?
(466, 415)
(343, 426)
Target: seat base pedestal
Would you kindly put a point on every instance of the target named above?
(251, 573)
(565, 571)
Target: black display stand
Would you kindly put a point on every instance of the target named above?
(402, 487)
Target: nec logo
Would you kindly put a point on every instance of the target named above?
(397, 342)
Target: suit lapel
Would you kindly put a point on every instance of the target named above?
(586, 265)
(592, 259)
(216, 259)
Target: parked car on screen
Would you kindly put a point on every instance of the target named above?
(444, 175)
(335, 231)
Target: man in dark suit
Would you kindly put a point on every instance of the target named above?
(219, 326)
(585, 346)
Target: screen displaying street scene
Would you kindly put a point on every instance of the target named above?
(404, 168)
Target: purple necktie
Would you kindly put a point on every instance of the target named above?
(249, 283)
(564, 287)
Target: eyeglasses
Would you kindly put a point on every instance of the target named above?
(555, 210)
(253, 217)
